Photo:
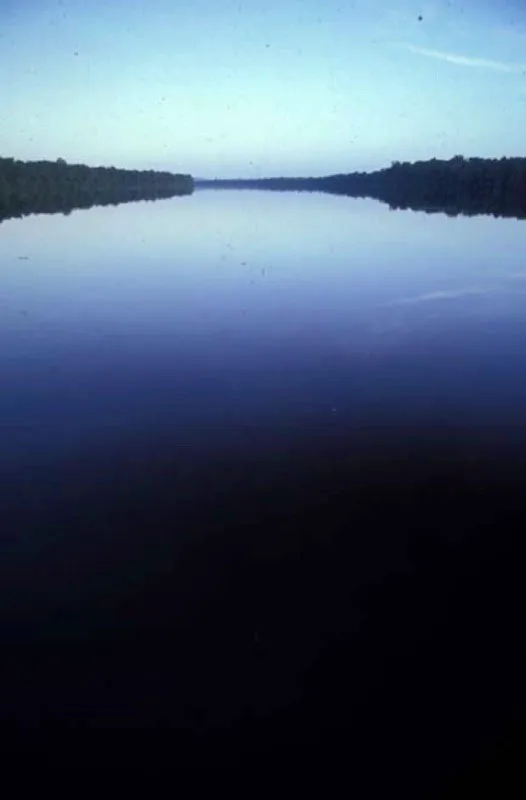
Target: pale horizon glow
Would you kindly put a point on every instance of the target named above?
(258, 88)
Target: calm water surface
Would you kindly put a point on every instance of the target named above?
(228, 315)
(194, 389)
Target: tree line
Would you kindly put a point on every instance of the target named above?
(456, 186)
(28, 187)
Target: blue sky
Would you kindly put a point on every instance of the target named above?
(261, 87)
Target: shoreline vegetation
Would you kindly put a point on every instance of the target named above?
(459, 186)
(50, 187)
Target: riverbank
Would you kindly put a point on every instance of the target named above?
(40, 187)
(457, 186)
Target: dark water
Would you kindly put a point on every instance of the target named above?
(262, 482)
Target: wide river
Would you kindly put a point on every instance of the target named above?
(225, 419)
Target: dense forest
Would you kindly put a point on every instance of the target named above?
(29, 187)
(458, 186)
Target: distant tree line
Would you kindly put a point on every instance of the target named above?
(28, 187)
(457, 186)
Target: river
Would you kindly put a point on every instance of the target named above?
(255, 444)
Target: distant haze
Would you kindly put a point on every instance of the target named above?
(247, 88)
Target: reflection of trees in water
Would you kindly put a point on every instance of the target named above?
(55, 186)
(458, 186)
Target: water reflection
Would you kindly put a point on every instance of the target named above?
(192, 315)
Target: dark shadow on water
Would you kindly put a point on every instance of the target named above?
(357, 604)
(57, 205)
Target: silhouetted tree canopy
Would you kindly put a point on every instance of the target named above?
(458, 186)
(49, 186)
